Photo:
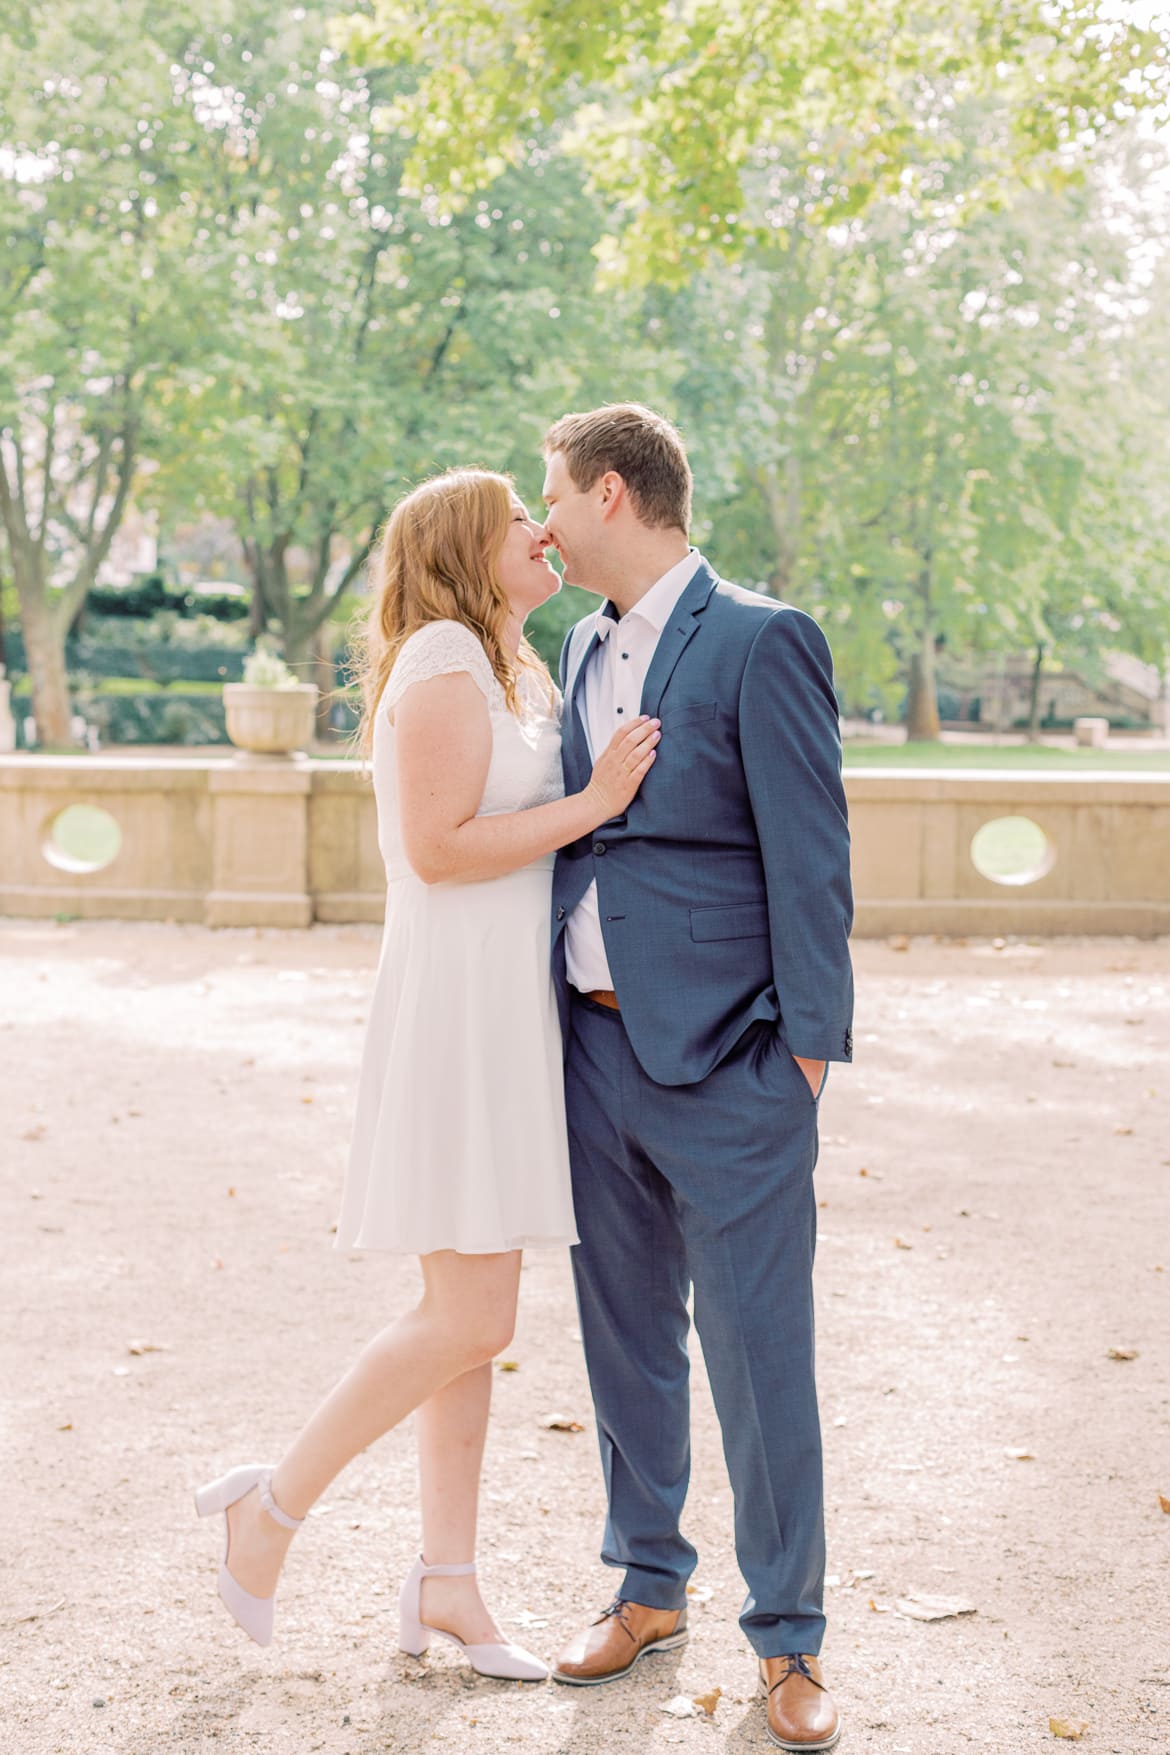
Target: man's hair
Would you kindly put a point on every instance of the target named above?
(637, 444)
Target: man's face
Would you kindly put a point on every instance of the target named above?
(575, 524)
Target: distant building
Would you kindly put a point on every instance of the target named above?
(134, 550)
(1122, 689)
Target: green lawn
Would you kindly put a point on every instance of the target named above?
(989, 755)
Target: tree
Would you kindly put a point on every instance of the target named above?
(372, 337)
(107, 281)
(826, 155)
(935, 426)
(678, 110)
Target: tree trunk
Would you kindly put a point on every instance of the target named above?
(44, 647)
(922, 696)
(257, 615)
(1034, 697)
(922, 693)
(323, 672)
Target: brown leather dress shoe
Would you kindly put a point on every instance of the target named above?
(802, 1716)
(621, 1635)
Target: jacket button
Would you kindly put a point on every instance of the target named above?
(599, 848)
(560, 913)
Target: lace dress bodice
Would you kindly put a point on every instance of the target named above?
(525, 768)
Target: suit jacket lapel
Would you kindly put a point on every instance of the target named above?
(574, 729)
(676, 636)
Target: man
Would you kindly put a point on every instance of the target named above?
(702, 967)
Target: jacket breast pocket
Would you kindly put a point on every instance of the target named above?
(687, 711)
(740, 920)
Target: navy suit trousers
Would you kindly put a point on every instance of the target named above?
(707, 1186)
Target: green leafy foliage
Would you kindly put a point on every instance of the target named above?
(678, 111)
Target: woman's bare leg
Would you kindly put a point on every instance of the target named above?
(463, 1319)
(452, 1427)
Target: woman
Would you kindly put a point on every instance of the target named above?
(459, 1152)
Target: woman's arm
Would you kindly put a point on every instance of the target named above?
(443, 743)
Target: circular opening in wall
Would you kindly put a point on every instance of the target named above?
(1012, 850)
(82, 838)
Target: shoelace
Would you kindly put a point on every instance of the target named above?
(617, 1612)
(797, 1666)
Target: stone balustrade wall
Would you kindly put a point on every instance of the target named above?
(270, 842)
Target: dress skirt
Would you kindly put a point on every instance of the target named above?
(459, 1137)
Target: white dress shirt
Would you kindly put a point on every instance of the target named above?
(610, 698)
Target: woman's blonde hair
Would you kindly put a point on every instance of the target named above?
(437, 559)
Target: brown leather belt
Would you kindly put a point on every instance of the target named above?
(604, 996)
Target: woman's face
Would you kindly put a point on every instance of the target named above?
(527, 578)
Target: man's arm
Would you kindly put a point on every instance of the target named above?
(791, 745)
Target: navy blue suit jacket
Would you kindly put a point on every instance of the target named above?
(724, 890)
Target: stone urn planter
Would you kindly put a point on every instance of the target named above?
(270, 713)
(270, 722)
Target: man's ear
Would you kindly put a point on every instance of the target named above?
(612, 490)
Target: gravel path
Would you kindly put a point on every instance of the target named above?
(993, 1184)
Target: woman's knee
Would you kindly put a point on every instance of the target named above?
(480, 1339)
(470, 1336)
(472, 1304)
(494, 1336)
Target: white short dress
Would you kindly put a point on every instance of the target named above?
(459, 1138)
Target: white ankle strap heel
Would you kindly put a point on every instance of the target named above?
(254, 1614)
(510, 1663)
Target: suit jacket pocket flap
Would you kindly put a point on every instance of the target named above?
(688, 710)
(741, 920)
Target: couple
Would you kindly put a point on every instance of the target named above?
(685, 811)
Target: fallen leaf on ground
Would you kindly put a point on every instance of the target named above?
(1123, 1130)
(709, 1701)
(1073, 1729)
(561, 1423)
(68, 1427)
(1162, 1499)
(1122, 1353)
(507, 1365)
(879, 1608)
(139, 1347)
(679, 1707)
(921, 1607)
(899, 1243)
(1020, 1455)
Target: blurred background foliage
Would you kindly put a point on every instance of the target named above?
(898, 272)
